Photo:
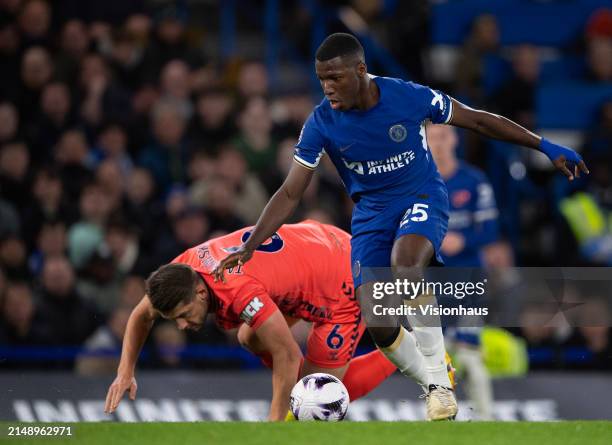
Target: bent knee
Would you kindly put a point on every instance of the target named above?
(383, 336)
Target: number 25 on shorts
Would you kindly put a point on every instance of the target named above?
(418, 213)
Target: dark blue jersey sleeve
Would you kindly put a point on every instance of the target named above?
(310, 146)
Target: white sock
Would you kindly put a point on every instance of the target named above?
(430, 341)
(405, 354)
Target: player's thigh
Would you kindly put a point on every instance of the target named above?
(421, 230)
(371, 243)
(332, 345)
(247, 337)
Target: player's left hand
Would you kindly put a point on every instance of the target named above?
(560, 155)
(239, 257)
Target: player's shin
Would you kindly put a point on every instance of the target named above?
(430, 340)
(401, 350)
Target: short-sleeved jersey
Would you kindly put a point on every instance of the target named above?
(380, 153)
(473, 213)
(303, 269)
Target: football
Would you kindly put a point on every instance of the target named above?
(319, 396)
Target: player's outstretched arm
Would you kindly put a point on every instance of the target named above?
(494, 126)
(138, 327)
(276, 338)
(280, 207)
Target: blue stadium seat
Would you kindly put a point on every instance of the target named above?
(563, 69)
(553, 23)
(570, 106)
(498, 70)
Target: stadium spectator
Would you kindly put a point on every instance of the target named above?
(253, 80)
(85, 236)
(132, 291)
(19, 324)
(599, 139)
(75, 41)
(212, 123)
(9, 219)
(36, 71)
(170, 42)
(250, 196)
(110, 177)
(2, 285)
(35, 22)
(122, 240)
(126, 56)
(51, 241)
(66, 318)
(189, 226)
(255, 140)
(220, 198)
(54, 119)
(175, 86)
(10, 59)
(516, 97)
(100, 95)
(112, 143)
(284, 159)
(592, 338)
(47, 203)
(541, 334)
(141, 206)
(9, 122)
(100, 355)
(599, 58)
(167, 154)
(14, 258)
(14, 174)
(586, 213)
(71, 155)
(168, 344)
(289, 112)
(138, 25)
(482, 41)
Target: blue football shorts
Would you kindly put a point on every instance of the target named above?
(375, 227)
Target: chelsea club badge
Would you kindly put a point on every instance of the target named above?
(398, 133)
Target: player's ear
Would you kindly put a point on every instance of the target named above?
(362, 69)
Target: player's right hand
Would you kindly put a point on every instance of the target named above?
(239, 257)
(117, 389)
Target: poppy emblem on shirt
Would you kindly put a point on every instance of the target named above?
(398, 133)
(460, 198)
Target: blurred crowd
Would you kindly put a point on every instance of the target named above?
(122, 143)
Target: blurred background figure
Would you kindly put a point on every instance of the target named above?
(100, 352)
(587, 215)
(472, 226)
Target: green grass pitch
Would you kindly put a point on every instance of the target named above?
(296, 433)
